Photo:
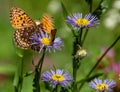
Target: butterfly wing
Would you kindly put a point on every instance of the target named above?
(46, 23)
(22, 37)
(35, 48)
(19, 19)
(52, 35)
(24, 26)
(47, 26)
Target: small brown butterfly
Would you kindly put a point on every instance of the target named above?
(25, 27)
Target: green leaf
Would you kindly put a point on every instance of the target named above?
(90, 78)
(65, 12)
(28, 73)
(16, 80)
(94, 76)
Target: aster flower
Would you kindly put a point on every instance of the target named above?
(43, 39)
(77, 20)
(102, 86)
(57, 77)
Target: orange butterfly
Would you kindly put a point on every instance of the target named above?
(25, 27)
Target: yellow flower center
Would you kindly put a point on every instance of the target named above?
(82, 22)
(58, 77)
(102, 86)
(45, 41)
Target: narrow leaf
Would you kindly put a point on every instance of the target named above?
(65, 12)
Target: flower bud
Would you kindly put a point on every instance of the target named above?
(81, 53)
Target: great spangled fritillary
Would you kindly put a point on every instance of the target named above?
(25, 27)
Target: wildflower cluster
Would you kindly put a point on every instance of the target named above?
(41, 37)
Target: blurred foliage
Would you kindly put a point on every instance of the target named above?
(97, 38)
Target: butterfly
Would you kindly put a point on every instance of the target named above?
(25, 27)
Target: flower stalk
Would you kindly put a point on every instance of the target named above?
(80, 37)
(38, 68)
(85, 35)
(75, 61)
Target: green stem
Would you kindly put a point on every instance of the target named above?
(80, 36)
(41, 60)
(91, 6)
(73, 32)
(55, 89)
(86, 31)
(75, 62)
(99, 60)
(36, 85)
(77, 41)
(74, 70)
(21, 76)
(38, 69)
(85, 35)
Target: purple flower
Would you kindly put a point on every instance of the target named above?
(114, 67)
(57, 77)
(77, 20)
(102, 86)
(43, 39)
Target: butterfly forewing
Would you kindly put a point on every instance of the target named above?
(19, 19)
(46, 23)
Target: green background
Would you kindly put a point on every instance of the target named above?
(98, 37)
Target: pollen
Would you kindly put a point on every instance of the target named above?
(82, 22)
(102, 87)
(58, 77)
(45, 41)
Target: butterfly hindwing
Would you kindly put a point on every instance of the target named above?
(22, 37)
(52, 35)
